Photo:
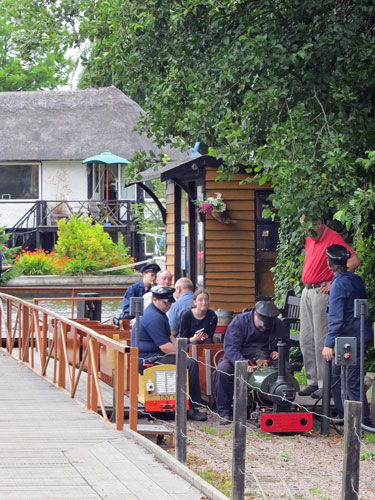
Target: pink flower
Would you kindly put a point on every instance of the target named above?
(5, 248)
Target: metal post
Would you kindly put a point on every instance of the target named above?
(38, 223)
(361, 312)
(326, 406)
(136, 309)
(181, 391)
(352, 448)
(239, 430)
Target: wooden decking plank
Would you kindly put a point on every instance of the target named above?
(52, 448)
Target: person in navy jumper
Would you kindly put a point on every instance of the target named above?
(345, 288)
(139, 289)
(250, 336)
(157, 346)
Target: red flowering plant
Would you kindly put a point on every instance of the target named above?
(211, 204)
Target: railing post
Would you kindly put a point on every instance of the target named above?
(119, 389)
(133, 410)
(61, 378)
(43, 347)
(239, 430)
(181, 391)
(24, 348)
(94, 373)
(9, 325)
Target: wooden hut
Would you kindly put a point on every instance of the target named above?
(233, 261)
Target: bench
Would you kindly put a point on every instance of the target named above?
(290, 316)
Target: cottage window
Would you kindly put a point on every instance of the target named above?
(19, 181)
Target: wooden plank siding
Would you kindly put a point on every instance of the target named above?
(230, 249)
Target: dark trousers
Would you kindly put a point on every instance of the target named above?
(354, 394)
(192, 366)
(224, 387)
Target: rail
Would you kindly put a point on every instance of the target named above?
(42, 335)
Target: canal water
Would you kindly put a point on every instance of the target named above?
(110, 308)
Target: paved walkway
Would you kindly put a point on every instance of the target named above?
(52, 448)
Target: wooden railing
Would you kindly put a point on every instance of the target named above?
(41, 339)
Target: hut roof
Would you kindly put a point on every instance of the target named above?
(72, 125)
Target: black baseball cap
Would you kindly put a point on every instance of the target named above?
(164, 293)
(266, 313)
(150, 268)
(338, 254)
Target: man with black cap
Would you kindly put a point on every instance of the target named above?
(139, 289)
(345, 288)
(250, 336)
(155, 342)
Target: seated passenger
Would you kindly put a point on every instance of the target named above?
(198, 324)
(184, 291)
(138, 289)
(250, 336)
(155, 344)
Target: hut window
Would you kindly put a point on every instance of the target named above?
(19, 181)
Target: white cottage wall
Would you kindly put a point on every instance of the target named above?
(59, 180)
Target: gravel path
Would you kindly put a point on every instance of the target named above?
(302, 466)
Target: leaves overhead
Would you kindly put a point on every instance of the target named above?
(31, 57)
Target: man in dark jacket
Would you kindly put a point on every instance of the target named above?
(250, 336)
(345, 288)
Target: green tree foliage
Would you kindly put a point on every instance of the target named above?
(31, 57)
(285, 88)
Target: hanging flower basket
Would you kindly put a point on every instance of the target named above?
(215, 205)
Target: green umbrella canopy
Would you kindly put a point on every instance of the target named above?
(107, 158)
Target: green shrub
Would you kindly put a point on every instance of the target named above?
(81, 248)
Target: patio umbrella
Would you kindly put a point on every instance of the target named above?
(107, 158)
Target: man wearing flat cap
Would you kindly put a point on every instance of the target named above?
(345, 288)
(139, 289)
(250, 336)
(155, 343)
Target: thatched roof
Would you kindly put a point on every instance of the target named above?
(71, 125)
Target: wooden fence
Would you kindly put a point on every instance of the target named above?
(38, 337)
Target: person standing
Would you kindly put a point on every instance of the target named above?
(345, 288)
(317, 279)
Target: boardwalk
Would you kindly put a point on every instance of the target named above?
(52, 448)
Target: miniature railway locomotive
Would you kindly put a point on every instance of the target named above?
(272, 391)
(157, 388)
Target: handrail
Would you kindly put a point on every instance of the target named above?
(44, 333)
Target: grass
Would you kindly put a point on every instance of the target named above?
(220, 480)
(227, 434)
(209, 430)
(367, 455)
(369, 438)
